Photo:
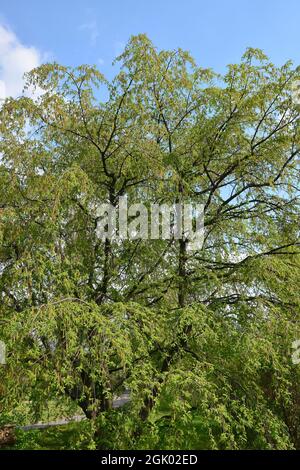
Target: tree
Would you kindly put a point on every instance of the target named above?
(202, 337)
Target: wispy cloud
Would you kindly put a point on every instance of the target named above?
(15, 59)
(92, 28)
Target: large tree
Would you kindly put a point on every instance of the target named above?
(200, 337)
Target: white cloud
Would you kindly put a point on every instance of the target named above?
(92, 28)
(15, 59)
(2, 90)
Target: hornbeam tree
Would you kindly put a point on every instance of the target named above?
(202, 338)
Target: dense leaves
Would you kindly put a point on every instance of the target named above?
(201, 338)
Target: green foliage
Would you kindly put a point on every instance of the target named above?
(201, 339)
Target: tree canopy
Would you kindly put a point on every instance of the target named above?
(201, 338)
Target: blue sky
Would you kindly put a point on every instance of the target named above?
(216, 32)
